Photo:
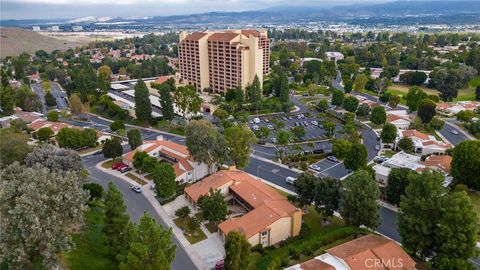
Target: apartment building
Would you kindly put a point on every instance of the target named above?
(223, 60)
(262, 214)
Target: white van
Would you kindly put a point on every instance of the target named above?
(256, 120)
(290, 180)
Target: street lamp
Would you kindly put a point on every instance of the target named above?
(258, 167)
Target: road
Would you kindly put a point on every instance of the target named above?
(57, 92)
(454, 139)
(136, 206)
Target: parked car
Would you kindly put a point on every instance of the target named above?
(98, 152)
(290, 180)
(377, 147)
(256, 120)
(116, 165)
(315, 123)
(137, 189)
(381, 159)
(454, 132)
(314, 167)
(125, 169)
(273, 140)
(332, 158)
(269, 126)
(266, 120)
(255, 127)
(119, 168)
(152, 187)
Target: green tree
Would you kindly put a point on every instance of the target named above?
(360, 82)
(205, 143)
(356, 157)
(393, 101)
(414, 96)
(116, 227)
(389, 133)
(363, 110)
(139, 159)
(213, 206)
(304, 187)
(397, 183)
(322, 105)
(378, 115)
(436, 123)
(457, 233)
(43, 220)
(337, 97)
(112, 148)
(406, 145)
(134, 138)
(7, 101)
(263, 133)
(164, 179)
(50, 100)
(254, 91)
(358, 200)
(427, 110)
(283, 138)
(117, 125)
(75, 103)
(58, 160)
(143, 107)
(350, 104)
(52, 116)
(465, 164)
(238, 141)
(149, 247)
(327, 196)
(95, 190)
(298, 132)
(341, 148)
(237, 250)
(465, 116)
(329, 127)
(44, 134)
(187, 100)
(166, 102)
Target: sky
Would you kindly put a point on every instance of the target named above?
(49, 9)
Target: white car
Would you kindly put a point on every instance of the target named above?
(377, 147)
(255, 127)
(290, 180)
(256, 120)
(454, 132)
(270, 127)
(137, 189)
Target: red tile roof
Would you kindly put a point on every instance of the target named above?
(414, 133)
(196, 36)
(222, 36)
(442, 162)
(371, 248)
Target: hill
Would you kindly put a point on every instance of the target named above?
(14, 41)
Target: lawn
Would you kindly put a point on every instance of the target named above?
(90, 250)
(388, 153)
(136, 178)
(108, 164)
(90, 149)
(194, 236)
(467, 93)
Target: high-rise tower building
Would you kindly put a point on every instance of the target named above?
(223, 60)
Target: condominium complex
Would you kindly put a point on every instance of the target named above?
(223, 60)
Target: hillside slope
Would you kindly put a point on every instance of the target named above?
(14, 41)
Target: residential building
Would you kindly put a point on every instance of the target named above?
(415, 163)
(186, 169)
(400, 121)
(424, 144)
(367, 252)
(334, 56)
(265, 216)
(452, 108)
(223, 60)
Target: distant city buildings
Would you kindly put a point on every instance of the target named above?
(36, 28)
(223, 60)
(77, 28)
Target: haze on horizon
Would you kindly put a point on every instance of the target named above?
(71, 9)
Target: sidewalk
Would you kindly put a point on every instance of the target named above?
(150, 196)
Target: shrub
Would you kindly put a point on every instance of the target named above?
(95, 190)
(182, 212)
(193, 224)
(258, 248)
(461, 187)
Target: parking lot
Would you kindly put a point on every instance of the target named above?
(312, 125)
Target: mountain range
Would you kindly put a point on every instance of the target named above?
(394, 12)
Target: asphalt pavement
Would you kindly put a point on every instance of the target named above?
(454, 139)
